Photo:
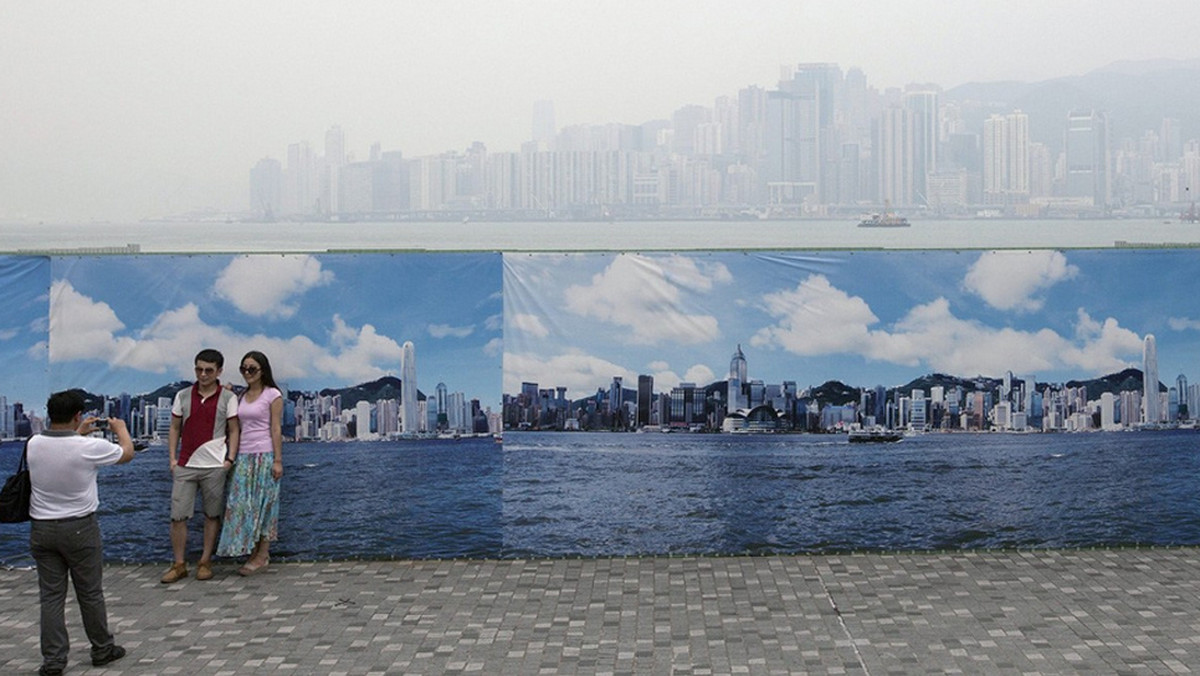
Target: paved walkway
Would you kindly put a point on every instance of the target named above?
(1134, 611)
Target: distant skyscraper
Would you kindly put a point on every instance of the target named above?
(1150, 396)
(544, 128)
(408, 389)
(1087, 157)
(791, 143)
(645, 400)
(300, 182)
(335, 160)
(1006, 167)
(893, 145)
(266, 187)
(924, 106)
(738, 374)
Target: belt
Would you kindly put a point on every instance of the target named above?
(67, 518)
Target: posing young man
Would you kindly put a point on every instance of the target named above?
(201, 445)
(64, 534)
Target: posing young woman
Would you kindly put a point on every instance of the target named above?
(252, 500)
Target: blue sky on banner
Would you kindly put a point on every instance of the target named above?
(864, 318)
(134, 323)
(24, 286)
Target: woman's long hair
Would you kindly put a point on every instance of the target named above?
(264, 364)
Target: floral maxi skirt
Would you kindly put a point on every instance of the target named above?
(251, 505)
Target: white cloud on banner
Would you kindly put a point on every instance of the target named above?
(82, 328)
(262, 286)
(580, 373)
(645, 295)
(818, 319)
(1009, 280)
(494, 347)
(1183, 324)
(445, 330)
(531, 324)
(86, 329)
(359, 350)
(665, 378)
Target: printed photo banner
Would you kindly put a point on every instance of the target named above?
(650, 403)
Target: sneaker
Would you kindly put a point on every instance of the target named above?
(176, 573)
(203, 571)
(114, 653)
(46, 670)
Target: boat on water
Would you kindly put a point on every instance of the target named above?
(874, 435)
(886, 220)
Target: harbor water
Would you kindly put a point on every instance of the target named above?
(223, 237)
(605, 494)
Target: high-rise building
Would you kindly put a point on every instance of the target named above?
(1181, 386)
(791, 143)
(266, 188)
(1006, 167)
(738, 374)
(335, 160)
(1087, 154)
(362, 420)
(645, 400)
(893, 146)
(924, 107)
(544, 128)
(408, 389)
(1150, 395)
(300, 180)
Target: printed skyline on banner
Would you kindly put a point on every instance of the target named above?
(24, 327)
(864, 318)
(131, 324)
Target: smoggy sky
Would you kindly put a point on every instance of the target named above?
(124, 109)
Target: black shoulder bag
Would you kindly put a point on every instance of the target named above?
(14, 497)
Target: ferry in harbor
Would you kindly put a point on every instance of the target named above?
(874, 435)
(886, 220)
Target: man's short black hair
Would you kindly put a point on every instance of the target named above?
(211, 356)
(62, 406)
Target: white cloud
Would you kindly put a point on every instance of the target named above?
(1183, 324)
(1009, 280)
(38, 352)
(665, 378)
(531, 324)
(82, 328)
(444, 330)
(8, 334)
(358, 352)
(85, 329)
(266, 286)
(817, 319)
(494, 347)
(580, 373)
(645, 295)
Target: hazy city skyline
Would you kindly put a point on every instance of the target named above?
(126, 111)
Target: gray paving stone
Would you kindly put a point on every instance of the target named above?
(1129, 611)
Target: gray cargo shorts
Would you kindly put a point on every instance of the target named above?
(211, 484)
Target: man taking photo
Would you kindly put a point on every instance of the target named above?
(64, 532)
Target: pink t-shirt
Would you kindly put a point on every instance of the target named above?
(255, 417)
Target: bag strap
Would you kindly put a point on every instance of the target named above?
(25, 456)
